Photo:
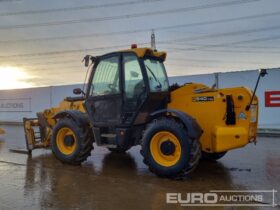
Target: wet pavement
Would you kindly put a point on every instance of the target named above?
(121, 181)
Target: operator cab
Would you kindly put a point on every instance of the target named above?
(125, 87)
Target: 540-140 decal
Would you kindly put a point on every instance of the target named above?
(203, 98)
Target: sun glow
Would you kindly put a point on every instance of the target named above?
(13, 77)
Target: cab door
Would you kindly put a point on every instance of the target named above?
(104, 101)
(134, 88)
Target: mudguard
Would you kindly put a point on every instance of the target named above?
(79, 117)
(193, 128)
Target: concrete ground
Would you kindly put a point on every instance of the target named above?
(122, 181)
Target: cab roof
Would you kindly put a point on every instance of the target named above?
(142, 52)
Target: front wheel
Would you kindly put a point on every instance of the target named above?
(70, 143)
(167, 149)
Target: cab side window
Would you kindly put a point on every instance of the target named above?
(106, 77)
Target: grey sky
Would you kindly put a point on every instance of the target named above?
(49, 38)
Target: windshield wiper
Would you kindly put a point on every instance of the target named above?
(159, 84)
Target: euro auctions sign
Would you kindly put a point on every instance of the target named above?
(272, 98)
(234, 198)
(15, 105)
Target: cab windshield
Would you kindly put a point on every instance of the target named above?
(157, 75)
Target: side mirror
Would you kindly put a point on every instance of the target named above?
(78, 91)
(86, 60)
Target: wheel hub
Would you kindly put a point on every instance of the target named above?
(167, 147)
(66, 141)
(69, 140)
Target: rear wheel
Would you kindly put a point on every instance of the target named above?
(213, 156)
(167, 149)
(70, 143)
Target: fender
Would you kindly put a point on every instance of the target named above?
(79, 117)
(194, 130)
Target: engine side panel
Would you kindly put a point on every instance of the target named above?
(209, 107)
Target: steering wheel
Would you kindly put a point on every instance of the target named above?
(112, 88)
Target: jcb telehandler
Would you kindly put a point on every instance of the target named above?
(128, 102)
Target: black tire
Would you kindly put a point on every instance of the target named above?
(83, 139)
(190, 149)
(213, 156)
(118, 150)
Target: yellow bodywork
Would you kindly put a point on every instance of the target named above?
(141, 52)
(211, 114)
(2, 131)
(206, 105)
(64, 105)
(45, 123)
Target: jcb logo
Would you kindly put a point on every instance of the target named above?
(203, 99)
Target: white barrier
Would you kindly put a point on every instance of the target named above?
(39, 99)
(16, 104)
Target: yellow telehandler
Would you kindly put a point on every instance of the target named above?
(128, 101)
